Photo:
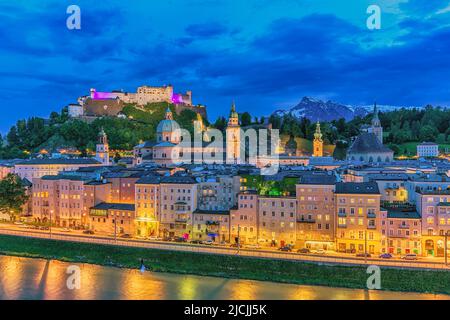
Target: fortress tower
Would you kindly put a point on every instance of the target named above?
(102, 149)
(318, 142)
(233, 136)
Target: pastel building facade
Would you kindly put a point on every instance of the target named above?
(148, 206)
(178, 202)
(393, 187)
(218, 193)
(277, 220)
(66, 200)
(37, 168)
(434, 208)
(358, 227)
(316, 212)
(428, 149)
(401, 231)
(244, 219)
(213, 225)
(112, 219)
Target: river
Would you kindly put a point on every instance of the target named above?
(24, 278)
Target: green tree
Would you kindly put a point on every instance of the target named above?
(428, 133)
(246, 119)
(12, 195)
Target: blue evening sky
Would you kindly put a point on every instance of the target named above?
(263, 54)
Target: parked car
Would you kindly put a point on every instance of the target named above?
(155, 238)
(319, 251)
(386, 256)
(126, 236)
(285, 249)
(196, 241)
(208, 242)
(65, 230)
(367, 255)
(410, 256)
(303, 250)
(350, 251)
(88, 232)
(180, 239)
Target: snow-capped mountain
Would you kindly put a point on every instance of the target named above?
(315, 109)
(318, 110)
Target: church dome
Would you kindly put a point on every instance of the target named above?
(168, 124)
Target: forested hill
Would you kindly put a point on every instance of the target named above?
(403, 129)
(34, 134)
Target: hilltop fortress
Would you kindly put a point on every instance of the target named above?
(99, 104)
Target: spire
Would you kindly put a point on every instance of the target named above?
(102, 138)
(318, 133)
(375, 118)
(375, 110)
(234, 117)
(233, 113)
(169, 115)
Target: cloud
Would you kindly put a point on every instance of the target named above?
(206, 30)
(276, 57)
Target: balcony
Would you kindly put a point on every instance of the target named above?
(371, 227)
(342, 226)
(371, 215)
(342, 214)
(303, 220)
(406, 226)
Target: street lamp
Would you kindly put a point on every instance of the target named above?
(239, 239)
(365, 246)
(115, 228)
(445, 246)
(51, 211)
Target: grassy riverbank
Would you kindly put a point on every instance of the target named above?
(224, 266)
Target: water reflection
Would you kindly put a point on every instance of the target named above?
(22, 278)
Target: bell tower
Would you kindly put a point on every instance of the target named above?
(318, 142)
(377, 129)
(233, 142)
(102, 149)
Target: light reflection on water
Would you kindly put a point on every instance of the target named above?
(23, 278)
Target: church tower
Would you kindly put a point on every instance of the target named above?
(233, 142)
(318, 142)
(377, 129)
(102, 149)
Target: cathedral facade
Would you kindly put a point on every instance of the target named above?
(171, 147)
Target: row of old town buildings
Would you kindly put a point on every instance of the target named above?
(368, 203)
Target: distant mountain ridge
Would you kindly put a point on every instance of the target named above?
(319, 110)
